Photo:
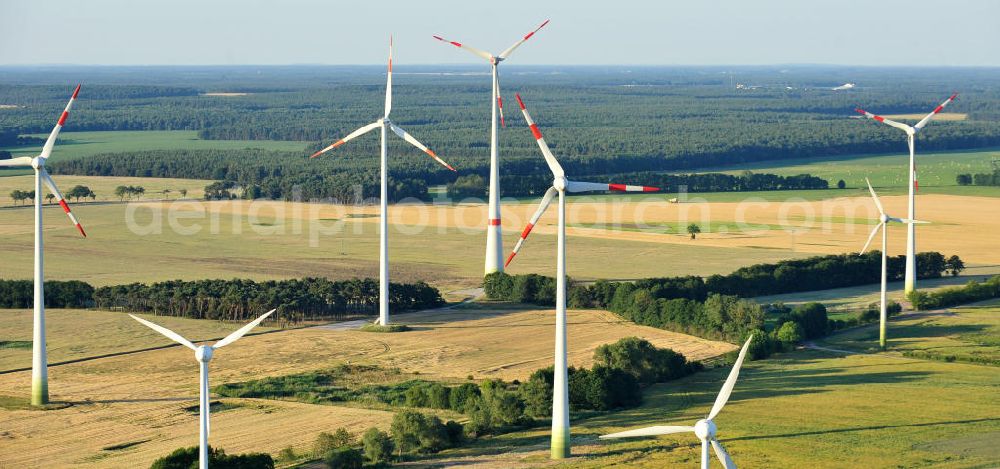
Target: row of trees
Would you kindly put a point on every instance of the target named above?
(968, 293)
(475, 185)
(979, 179)
(75, 193)
(58, 294)
(243, 299)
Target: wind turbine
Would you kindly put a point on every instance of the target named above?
(705, 428)
(910, 279)
(39, 359)
(204, 353)
(494, 243)
(560, 185)
(883, 219)
(385, 124)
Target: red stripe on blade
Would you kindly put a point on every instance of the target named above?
(650, 189)
(536, 132)
(76, 91)
(62, 118)
(527, 229)
(494, 222)
(509, 258)
(65, 207)
(878, 118)
(519, 102)
(616, 187)
(80, 228)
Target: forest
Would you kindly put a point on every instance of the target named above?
(601, 122)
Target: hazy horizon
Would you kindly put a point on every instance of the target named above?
(626, 33)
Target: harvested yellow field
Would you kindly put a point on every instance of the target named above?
(942, 116)
(140, 398)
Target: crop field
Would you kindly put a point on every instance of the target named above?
(143, 395)
(73, 145)
(809, 408)
(269, 240)
(104, 187)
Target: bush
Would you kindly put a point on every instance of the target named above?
(498, 285)
(790, 333)
(344, 457)
(813, 319)
(460, 396)
(413, 431)
(642, 360)
(326, 441)
(185, 458)
(377, 446)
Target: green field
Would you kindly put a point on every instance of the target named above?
(810, 408)
(81, 144)
(936, 171)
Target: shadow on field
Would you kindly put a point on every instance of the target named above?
(861, 429)
(134, 401)
(667, 403)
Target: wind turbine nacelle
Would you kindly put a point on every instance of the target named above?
(559, 184)
(204, 353)
(884, 218)
(705, 429)
(37, 163)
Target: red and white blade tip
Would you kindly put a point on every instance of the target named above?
(631, 188)
(76, 92)
(519, 102)
(528, 36)
(509, 258)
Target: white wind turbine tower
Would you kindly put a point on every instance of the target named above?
(384, 124)
(494, 242)
(39, 360)
(560, 185)
(203, 353)
(704, 429)
(910, 278)
(883, 220)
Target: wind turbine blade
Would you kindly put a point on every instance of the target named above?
(550, 159)
(579, 186)
(933, 113)
(413, 141)
(59, 198)
(727, 388)
(351, 136)
(233, 337)
(167, 332)
(51, 142)
(506, 53)
(878, 204)
(496, 86)
(544, 204)
(485, 55)
(723, 456)
(649, 431)
(388, 82)
(912, 221)
(871, 237)
(883, 120)
(19, 161)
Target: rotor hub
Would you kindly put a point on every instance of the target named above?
(37, 163)
(559, 183)
(705, 429)
(884, 218)
(203, 353)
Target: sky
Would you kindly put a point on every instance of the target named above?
(617, 32)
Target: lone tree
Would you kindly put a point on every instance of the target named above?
(79, 191)
(954, 265)
(49, 197)
(841, 184)
(693, 230)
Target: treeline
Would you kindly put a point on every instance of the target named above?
(58, 294)
(242, 299)
(787, 276)
(945, 297)
(256, 173)
(979, 179)
(475, 185)
(231, 300)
